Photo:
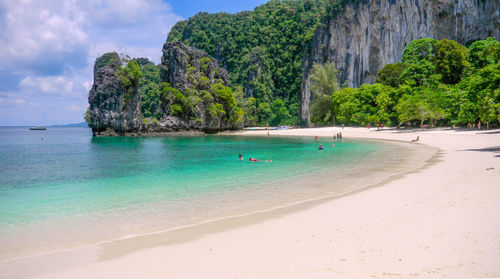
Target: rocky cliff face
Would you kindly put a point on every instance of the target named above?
(192, 72)
(371, 33)
(114, 110)
(181, 65)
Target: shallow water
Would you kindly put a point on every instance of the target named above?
(62, 188)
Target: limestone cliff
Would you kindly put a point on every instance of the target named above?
(181, 66)
(114, 109)
(371, 33)
(193, 73)
(192, 96)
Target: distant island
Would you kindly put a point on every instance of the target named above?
(281, 64)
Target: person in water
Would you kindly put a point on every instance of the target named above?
(255, 160)
(241, 157)
(321, 147)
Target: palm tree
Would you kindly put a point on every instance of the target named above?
(323, 83)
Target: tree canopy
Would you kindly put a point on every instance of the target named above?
(437, 82)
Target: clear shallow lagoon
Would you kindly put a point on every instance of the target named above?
(62, 188)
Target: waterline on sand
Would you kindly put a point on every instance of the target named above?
(391, 159)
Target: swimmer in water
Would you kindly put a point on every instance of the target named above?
(255, 160)
(241, 157)
(321, 147)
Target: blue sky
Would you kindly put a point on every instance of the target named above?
(48, 48)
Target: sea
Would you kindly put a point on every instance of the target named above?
(63, 189)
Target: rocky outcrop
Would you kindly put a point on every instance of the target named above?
(181, 65)
(371, 33)
(114, 109)
(192, 72)
(115, 106)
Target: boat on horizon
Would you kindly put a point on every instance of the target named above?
(38, 128)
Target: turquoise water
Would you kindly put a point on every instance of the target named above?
(62, 188)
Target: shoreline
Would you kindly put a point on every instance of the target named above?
(141, 252)
(267, 209)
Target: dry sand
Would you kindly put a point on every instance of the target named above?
(442, 221)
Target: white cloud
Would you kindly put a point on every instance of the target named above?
(48, 48)
(41, 36)
(75, 108)
(48, 84)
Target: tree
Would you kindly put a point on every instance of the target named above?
(324, 78)
(223, 95)
(86, 116)
(418, 50)
(280, 112)
(484, 53)
(412, 107)
(383, 101)
(390, 74)
(344, 104)
(451, 61)
(323, 82)
(106, 59)
(265, 113)
(421, 73)
(249, 107)
(483, 92)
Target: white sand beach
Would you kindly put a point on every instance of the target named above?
(441, 221)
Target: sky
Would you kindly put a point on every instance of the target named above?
(48, 48)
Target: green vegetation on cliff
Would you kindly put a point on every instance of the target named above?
(438, 82)
(262, 50)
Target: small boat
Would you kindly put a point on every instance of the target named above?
(38, 128)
